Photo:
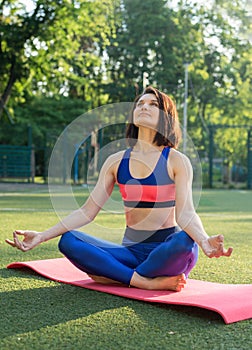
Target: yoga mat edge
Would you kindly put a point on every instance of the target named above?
(231, 301)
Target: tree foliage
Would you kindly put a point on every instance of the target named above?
(55, 48)
(89, 52)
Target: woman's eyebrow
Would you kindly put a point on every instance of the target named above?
(147, 100)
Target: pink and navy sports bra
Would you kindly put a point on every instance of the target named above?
(155, 191)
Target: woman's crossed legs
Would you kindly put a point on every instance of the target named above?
(162, 265)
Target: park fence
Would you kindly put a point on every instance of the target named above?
(27, 163)
(17, 162)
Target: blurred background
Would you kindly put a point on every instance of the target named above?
(61, 59)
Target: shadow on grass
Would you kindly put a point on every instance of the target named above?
(23, 272)
(29, 310)
(36, 308)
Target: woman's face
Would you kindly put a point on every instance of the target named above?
(146, 112)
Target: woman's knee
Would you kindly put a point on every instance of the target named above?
(183, 242)
(64, 244)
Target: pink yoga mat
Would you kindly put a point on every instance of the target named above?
(232, 301)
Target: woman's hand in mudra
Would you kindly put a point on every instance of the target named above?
(213, 247)
(30, 240)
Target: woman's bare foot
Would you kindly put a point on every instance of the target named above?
(103, 280)
(174, 283)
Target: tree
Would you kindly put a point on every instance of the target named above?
(54, 48)
(139, 47)
(221, 79)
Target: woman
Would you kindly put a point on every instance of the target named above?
(163, 231)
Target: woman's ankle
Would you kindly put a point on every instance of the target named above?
(139, 281)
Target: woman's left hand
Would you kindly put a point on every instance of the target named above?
(213, 247)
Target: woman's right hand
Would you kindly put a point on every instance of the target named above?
(30, 240)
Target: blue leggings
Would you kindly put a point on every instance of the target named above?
(177, 254)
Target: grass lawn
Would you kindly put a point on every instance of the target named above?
(40, 314)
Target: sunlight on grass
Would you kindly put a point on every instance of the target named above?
(37, 313)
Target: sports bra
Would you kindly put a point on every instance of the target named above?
(154, 191)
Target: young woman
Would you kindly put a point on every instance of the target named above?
(163, 231)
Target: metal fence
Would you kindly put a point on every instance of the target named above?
(17, 162)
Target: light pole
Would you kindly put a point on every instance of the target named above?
(186, 64)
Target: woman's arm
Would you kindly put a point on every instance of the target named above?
(186, 216)
(77, 218)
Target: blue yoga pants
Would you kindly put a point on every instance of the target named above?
(177, 254)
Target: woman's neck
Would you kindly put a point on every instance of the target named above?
(146, 147)
(145, 141)
(146, 135)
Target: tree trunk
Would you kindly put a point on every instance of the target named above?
(7, 91)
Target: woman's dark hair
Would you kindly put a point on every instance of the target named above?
(168, 129)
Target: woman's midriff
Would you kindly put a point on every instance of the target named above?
(150, 219)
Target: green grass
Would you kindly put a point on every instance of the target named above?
(37, 313)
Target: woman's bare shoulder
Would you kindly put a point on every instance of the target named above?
(179, 160)
(114, 159)
(116, 156)
(176, 155)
